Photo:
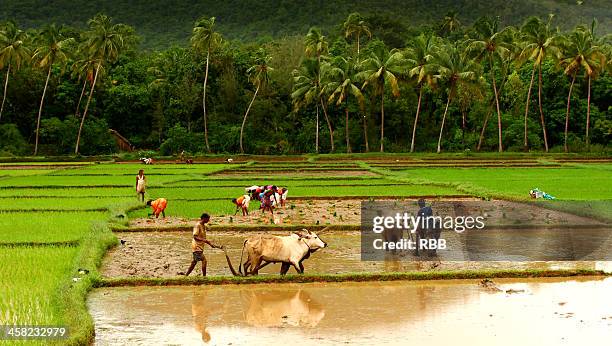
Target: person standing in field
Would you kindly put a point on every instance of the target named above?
(197, 244)
(242, 202)
(141, 185)
(158, 206)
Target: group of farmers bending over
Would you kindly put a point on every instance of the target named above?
(269, 197)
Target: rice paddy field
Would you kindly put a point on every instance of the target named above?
(56, 218)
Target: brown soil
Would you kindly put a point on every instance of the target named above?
(163, 255)
(296, 212)
(346, 211)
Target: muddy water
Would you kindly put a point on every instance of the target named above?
(453, 312)
(164, 254)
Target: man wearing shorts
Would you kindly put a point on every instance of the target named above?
(197, 244)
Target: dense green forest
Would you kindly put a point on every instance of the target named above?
(368, 83)
(165, 23)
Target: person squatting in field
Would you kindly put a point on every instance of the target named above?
(242, 202)
(197, 244)
(141, 185)
(158, 206)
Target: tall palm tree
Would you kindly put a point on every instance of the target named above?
(13, 52)
(53, 48)
(341, 84)
(307, 90)
(454, 67)
(356, 26)
(450, 23)
(419, 56)
(84, 69)
(204, 39)
(104, 43)
(493, 46)
(316, 45)
(539, 41)
(378, 70)
(259, 76)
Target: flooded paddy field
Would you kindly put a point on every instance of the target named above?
(542, 311)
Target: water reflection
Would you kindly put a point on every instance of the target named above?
(277, 308)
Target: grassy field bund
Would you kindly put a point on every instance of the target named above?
(57, 216)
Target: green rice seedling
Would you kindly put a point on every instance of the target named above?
(67, 192)
(23, 172)
(58, 204)
(78, 180)
(46, 227)
(580, 183)
(31, 276)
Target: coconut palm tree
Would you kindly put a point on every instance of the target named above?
(104, 42)
(259, 76)
(492, 45)
(316, 46)
(13, 53)
(539, 41)
(307, 90)
(53, 48)
(356, 26)
(341, 84)
(450, 23)
(419, 57)
(454, 67)
(205, 39)
(379, 70)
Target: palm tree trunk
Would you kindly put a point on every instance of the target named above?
(416, 119)
(204, 100)
(540, 105)
(346, 121)
(245, 118)
(93, 85)
(365, 132)
(588, 120)
(382, 120)
(569, 96)
(317, 131)
(484, 127)
(358, 47)
(331, 131)
(76, 113)
(42, 100)
(499, 124)
(526, 145)
(443, 120)
(8, 70)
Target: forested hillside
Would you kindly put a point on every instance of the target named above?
(163, 23)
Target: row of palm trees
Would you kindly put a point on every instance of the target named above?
(54, 47)
(431, 63)
(428, 63)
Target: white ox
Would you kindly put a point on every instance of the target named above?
(290, 250)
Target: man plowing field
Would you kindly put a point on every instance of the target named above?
(197, 244)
